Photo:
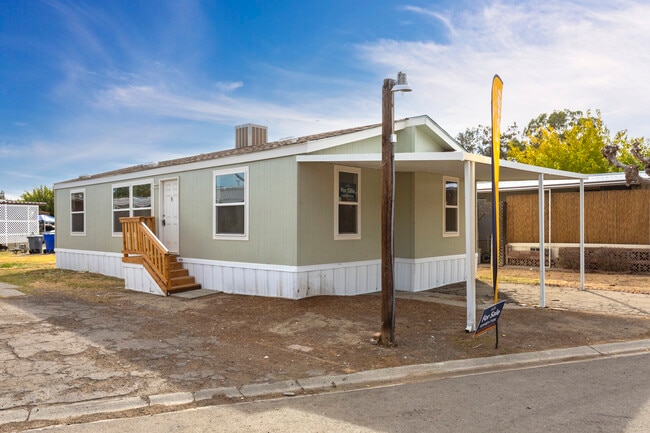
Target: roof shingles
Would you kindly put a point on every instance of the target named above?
(225, 153)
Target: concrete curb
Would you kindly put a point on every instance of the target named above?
(55, 412)
(291, 387)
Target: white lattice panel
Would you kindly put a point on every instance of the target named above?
(17, 221)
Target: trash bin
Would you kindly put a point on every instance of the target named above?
(35, 244)
(49, 242)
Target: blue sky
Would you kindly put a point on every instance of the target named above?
(90, 86)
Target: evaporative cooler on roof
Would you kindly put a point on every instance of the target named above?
(249, 135)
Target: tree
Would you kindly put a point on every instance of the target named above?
(568, 141)
(628, 159)
(560, 121)
(42, 194)
(479, 140)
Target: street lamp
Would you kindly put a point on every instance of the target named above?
(388, 140)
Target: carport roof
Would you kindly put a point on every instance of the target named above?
(446, 164)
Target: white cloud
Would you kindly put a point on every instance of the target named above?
(550, 55)
(229, 86)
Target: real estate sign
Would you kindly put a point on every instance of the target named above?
(489, 318)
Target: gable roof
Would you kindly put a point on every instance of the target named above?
(295, 145)
(223, 153)
(449, 161)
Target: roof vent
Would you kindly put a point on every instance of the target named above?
(250, 135)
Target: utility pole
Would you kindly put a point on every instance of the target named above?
(388, 140)
(387, 259)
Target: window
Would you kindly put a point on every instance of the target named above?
(77, 212)
(450, 206)
(231, 204)
(129, 201)
(347, 197)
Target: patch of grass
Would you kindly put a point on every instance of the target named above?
(34, 273)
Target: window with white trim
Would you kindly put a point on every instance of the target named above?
(450, 206)
(347, 203)
(78, 212)
(130, 200)
(231, 204)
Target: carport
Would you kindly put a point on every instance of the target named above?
(472, 169)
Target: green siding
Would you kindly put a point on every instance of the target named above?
(99, 207)
(272, 215)
(404, 215)
(429, 240)
(369, 145)
(424, 142)
(316, 217)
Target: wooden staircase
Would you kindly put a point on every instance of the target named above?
(142, 246)
(180, 278)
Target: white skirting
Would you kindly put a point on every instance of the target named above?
(341, 279)
(137, 278)
(416, 275)
(292, 282)
(90, 261)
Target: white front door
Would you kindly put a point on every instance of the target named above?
(169, 220)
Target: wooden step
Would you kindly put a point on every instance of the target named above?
(184, 288)
(181, 281)
(175, 273)
(174, 265)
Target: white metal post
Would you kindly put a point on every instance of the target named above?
(470, 243)
(542, 260)
(582, 234)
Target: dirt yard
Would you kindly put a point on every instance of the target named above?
(226, 340)
(79, 336)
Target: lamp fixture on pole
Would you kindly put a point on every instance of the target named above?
(388, 139)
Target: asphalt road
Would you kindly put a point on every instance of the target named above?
(605, 395)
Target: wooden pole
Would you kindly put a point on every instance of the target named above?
(387, 160)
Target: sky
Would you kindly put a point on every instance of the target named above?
(89, 86)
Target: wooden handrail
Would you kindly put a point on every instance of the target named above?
(139, 239)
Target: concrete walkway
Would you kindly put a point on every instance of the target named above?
(573, 299)
(558, 298)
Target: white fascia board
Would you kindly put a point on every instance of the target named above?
(443, 134)
(425, 120)
(340, 158)
(599, 179)
(376, 157)
(429, 156)
(329, 142)
(560, 174)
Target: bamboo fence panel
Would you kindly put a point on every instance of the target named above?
(565, 218)
(611, 217)
(522, 221)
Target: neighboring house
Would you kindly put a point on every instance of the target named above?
(291, 218)
(18, 219)
(617, 223)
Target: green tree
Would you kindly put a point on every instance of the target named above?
(42, 194)
(479, 140)
(560, 121)
(569, 141)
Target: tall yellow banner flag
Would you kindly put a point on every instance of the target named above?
(497, 88)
